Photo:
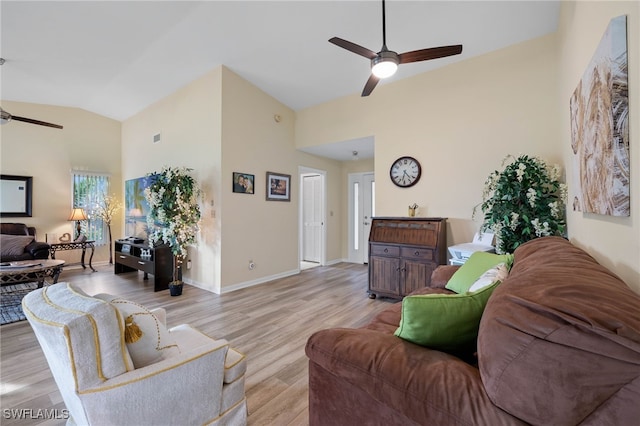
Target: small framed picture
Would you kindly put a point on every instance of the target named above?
(278, 187)
(243, 183)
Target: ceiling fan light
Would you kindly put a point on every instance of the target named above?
(384, 69)
(385, 64)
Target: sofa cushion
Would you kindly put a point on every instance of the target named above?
(477, 264)
(147, 339)
(559, 341)
(447, 322)
(13, 245)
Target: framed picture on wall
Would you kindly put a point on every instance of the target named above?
(243, 183)
(278, 187)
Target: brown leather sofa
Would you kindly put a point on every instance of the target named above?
(558, 344)
(33, 250)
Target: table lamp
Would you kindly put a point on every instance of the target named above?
(78, 215)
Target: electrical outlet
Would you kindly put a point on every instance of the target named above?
(189, 264)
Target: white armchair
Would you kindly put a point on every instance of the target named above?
(194, 379)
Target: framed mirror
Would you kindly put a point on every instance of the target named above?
(15, 196)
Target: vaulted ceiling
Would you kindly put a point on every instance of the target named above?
(115, 58)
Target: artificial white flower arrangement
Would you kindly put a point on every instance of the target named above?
(174, 212)
(524, 201)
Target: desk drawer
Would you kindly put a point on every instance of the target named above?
(135, 262)
(416, 253)
(384, 250)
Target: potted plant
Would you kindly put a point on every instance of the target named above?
(174, 215)
(524, 201)
(106, 210)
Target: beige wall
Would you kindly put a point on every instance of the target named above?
(265, 232)
(189, 123)
(613, 241)
(87, 142)
(216, 125)
(459, 122)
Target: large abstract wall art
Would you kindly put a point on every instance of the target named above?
(600, 128)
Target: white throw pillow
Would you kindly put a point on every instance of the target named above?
(147, 339)
(497, 273)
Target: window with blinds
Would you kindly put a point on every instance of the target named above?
(88, 190)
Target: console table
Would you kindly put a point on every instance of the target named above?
(74, 245)
(156, 260)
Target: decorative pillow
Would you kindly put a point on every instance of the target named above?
(446, 322)
(477, 264)
(147, 339)
(13, 245)
(497, 273)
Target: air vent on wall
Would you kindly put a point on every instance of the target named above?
(156, 138)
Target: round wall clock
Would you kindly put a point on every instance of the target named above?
(405, 172)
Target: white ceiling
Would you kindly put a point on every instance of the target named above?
(115, 58)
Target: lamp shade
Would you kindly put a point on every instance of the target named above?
(77, 214)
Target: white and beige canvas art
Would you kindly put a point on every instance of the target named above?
(600, 128)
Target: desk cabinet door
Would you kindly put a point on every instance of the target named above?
(384, 275)
(416, 275)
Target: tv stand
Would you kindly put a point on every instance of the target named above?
(157, 261)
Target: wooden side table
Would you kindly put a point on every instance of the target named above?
(73, 245)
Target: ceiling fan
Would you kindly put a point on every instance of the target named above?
(385, 63)
(6, 117)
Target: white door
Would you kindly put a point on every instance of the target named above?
(311, 217)
(361, 193)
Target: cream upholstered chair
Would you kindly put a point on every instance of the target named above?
(116, 364)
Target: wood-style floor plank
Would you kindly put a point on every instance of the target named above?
(270, 323)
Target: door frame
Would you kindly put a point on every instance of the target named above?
(303, 170)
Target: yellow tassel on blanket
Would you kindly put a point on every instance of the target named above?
(132, 332)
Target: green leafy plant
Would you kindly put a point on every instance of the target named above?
(174, 212)
(524, 201)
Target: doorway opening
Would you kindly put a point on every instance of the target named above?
(312, 216)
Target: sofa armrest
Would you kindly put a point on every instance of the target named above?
(38, 250)
(195, 376)
(442, 274)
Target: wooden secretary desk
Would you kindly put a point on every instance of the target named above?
(403, 252)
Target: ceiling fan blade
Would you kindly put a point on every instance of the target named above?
(352, 47)
(32, 121)
(431, 53)
(371, 84)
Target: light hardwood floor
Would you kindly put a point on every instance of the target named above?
(270, 323)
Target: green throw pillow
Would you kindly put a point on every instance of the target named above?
(477, 264)
(446, 322)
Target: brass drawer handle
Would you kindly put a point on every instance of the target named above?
(386, 250)
(417, 253)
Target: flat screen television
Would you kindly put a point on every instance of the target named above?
(136, 207)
